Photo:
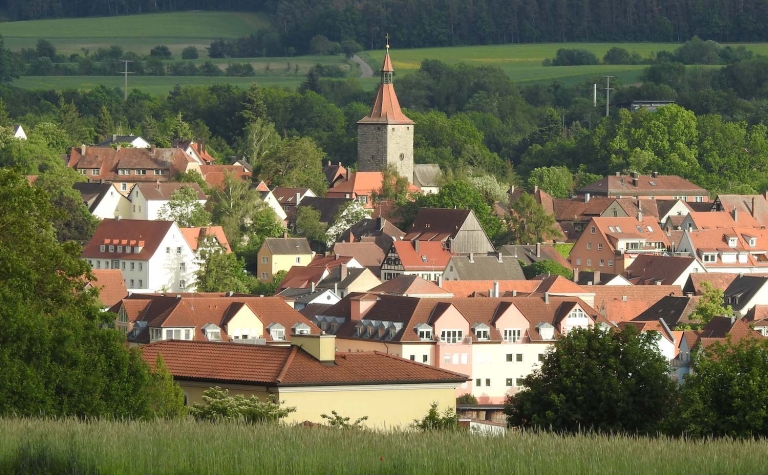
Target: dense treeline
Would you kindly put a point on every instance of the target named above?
(453, 22)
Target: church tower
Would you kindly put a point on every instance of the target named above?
(385, 135)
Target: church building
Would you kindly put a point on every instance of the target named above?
(385, 135)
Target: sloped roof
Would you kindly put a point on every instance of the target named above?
(437, 224)
(467, 288)
(570, 209)
(194, 236)
(649, 270)
(114, 139)
(299, 277)
(215, 175)
(127, 232)
(108, 161)
(486, 268)
(288, 246)
(721, 220)
(665, 206)
(558, 284)
(527, 254)
(288, 366)
(287, 196)
(334, 172)
(430, 255)
(111, 285)
(674, 310)
(368, 254)
(663, 185)
(386, 107)
(410, 286)
(743, 289)
(327, 207)
(426, 174)
(718, 280)
(165, 190)
(92, 193)
(754, 205)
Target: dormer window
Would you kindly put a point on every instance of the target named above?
(578, 313)
(482, 331)
(212, 332)
(546, 331)
(111, 248)
(119, 248)
(752, 241)
(512, 335)
(277, 334)
(709, 257)
(301, 329)
(424, 332)
(732, 241)
(102, 248)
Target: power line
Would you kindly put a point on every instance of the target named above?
(125, 73)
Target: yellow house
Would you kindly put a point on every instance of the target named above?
(312, 377)
(278, 254)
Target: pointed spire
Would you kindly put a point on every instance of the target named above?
(387, 66)
(386, 107)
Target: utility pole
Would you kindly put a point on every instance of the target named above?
(608, 90)
(125, 73)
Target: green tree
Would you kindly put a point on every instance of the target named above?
(193, 176)
(71, 122)
(546, 267)
(259, 139)
(223, 272)
(347, 215)
(393, 185)
(308, 225)
(447, 421)
(711, 305)
(9, 67)
(295, 162)
(190, 52)
(529, 222)
(597, 379)
(105, 126)
(166, 398)
(556, 181)
(59, 354)
(185, 209)
(71, 218)
(161, 52)
(253, 105)
(726, 393)
(218, 405)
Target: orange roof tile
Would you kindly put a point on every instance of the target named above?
(410, 285)
(721, 220)
(430, 255)
(110, 284)
(466, 288)
(194, 236)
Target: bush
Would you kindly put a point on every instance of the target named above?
(190, 52)
(209, 69)
(698, 51)
(161, 52)
(466, 399)
(183, 68)
(328, 71)
(240, 70)
(335, 420)
(350, 48)
(449, 420)
(574, 57)
(220, 406)
(617, 55)
(546, 267)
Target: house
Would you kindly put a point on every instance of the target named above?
(745, 292)
(483, 267)
(361, 187)
(206, 240)
(427, 177)
(653, 186)
(346, 280)
(280, 254)
(596, 277)
(613, 243)
(427, 259)
(103, 200)
(666, 270)
(133, 140)
(334, 174)
(458, 229)
(110, 284)
(284, 200)
(329, 208)
(18, 132)
(718, 280)
(696, 220)
(127, 166)
(148, 200)
(754, 205)
(301, 298)
(303, 277)
(196, 150)
(311, 376)
(411, 286)
(673, 309)
(152, 255)
(496, 341)
(148, 318)
(215, 175)
(621, 303)
(730, 250)
(368, 254)
(757, 319)
(377, 230)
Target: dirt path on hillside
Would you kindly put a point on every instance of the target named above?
(365, 69)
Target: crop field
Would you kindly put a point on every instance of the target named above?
(138, 33)
(158, 448)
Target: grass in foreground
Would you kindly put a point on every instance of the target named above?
(37, 446)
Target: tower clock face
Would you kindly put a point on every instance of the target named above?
(402, 156)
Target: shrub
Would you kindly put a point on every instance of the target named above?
(448, 420)
(220, 406)
(209, 69)
(161, 52)
(617, 55)
(466, 399)
(546, 267)
(190, 52)
(335, 420)
(574, 57)
(329, 70)
(240, 70)
(183, 68)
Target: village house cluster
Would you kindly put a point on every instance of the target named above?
(385, 321)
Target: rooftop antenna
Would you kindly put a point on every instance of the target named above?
(608, 90)
(125, 73)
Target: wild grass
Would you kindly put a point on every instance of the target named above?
(182, 447)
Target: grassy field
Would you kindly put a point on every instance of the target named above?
(44, 447)
(138, 33)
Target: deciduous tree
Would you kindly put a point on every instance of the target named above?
(185, 209)
(529, 223)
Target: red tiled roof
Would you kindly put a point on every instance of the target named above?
(558, 284)
(466, 288)
(410, 285)
(437, 224)
(194, 236)
(753, 205)
(719, 280)
(164, 191)
(287, 196)
(215, 175)
(288, 366)
(661, 185)
(651, 269)
(362, 184)
(110, 284)
(430, 256)
(299, 277)
(367, 253)
(108, 161)
(386, 107)
(127, 232)
(721, 220)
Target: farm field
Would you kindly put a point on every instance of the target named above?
(158, 448)
(138, 33)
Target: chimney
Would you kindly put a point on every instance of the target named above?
(635, 181)
(152, 149)
(753, 206)
(312, 288)
(329, 163)
(175, 143)
(336, 288)
(360, 305)
(114, 137)
(343, 271)
(546, 297)
(501, 259)
(655, 174)
(618, 174)
(496, 288)
(535, 188)
(416, 245)
(586, 197)
(576, 274)
(321, 347)
(440, 281)
(596, 277)
(735, 215)
(298, 198)
(471, 257)
(514, 292)
(639, 213)
(538, 249)
(84, 148)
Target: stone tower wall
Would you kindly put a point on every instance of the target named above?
(400, 149)
(380, 144)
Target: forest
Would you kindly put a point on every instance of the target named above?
(452, 22)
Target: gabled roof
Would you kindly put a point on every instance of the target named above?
(570, 209)
(328, 208)
(215, 175)
(437, 224)
(486, 268)
(92, 193)
(649, 270)
(111, 285)
(108, 161)
(163, 191)
(334, 172)
(288, 366)
(194, 236)
(377, 230)
(336, 278)
(127, 232)
(287, 196)
(743, 289)
(286, 246)
(717, 240)
(115, 139)
(721, 220)
(630, 228)
(368, 254)
(528, 254)
(665, 206)
(426, 174)
(625, 302)
(299, 277)
(753, 205)
(430, 255)
(718, 280)
(674, 310)
(558, 284)
(469, 288)
(663, 185)
(410, 286)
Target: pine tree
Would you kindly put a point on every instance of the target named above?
(105, 126)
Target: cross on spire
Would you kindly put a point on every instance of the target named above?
(387, 41)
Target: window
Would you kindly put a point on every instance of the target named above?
(424, 358)
(133, 266)
(82, 172)
(182, 284)
(519, 357)
(132, 285)
(512, 335)
(698, 199)
(602, 262)
(362, 199)
(98, 264)
(455, 358)
(102, 248)
(183, 266)
(510, 382)
(156, 333)
(298, 260)
(413, 357)
(123, 186)
(578, 261)
(141, 266)
(592, 230)
(265, 260)
(123, 171)
(119, 248)
(482, 334)
(264, 276)
(95, 172)
(451, 336)
(425, 334)
(172, 334)
(134, 208)
(141, 284)
(178, 250)
(610, 263)
(487, 382)
(599, 246)
(90, 262)
(510, 357)
(478, 382)
(140, 172)
(589, 262)
(447, 358)
(159, 172)
(187, 334)
(167, 250)
(710, 257)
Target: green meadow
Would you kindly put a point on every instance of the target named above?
(186, 447)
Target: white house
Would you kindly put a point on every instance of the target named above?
(148, 199)
(284, 200)
(152, 255)
(729, 250)
(103, 200)
(135, 141)
(18, 132)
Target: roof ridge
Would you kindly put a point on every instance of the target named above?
(287, 364)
